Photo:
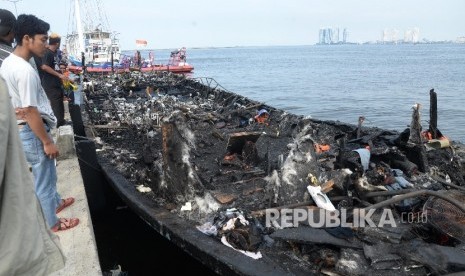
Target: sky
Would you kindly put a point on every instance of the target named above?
(215, 23)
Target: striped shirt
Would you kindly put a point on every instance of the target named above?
(5, 51)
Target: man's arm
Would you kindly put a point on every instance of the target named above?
(33, 119)
(50, 70)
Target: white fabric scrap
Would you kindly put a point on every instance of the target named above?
(141, 188)
(187, 206)
(208, 228)
(254, 255)
(364, 158)
(243, 220)
(320, 198)
(230, 223)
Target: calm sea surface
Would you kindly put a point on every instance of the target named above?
(343, 82)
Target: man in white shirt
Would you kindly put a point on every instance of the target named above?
(27, 245)
(26, 92)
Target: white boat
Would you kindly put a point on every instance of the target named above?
(91, 38)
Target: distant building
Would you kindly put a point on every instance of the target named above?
(335, 36)
(331, 35)
(410, 36)
(321, 37)
(345, 35)
(390, 35)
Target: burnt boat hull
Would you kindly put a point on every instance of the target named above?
(138, 145)
(208, 251)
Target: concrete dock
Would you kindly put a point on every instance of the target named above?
(78, 244)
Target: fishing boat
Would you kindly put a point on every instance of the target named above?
(91, 42)
(92, 47)
(177, 63)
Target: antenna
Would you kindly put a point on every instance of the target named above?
(14, 2)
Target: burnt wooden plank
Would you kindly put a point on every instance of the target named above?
(312, 235)
(433, 114)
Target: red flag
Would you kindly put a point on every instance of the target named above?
(141, 43)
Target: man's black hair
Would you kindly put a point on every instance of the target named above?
(28, 24)
(54, 40)
(7, 21)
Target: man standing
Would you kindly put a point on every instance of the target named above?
(7, 36)
(27, 245)
(27, 93)
(51, 77)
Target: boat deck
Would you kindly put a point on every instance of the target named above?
(187, 157)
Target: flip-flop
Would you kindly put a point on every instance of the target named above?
(65, 203)
(65, 224)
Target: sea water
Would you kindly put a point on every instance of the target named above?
(343, 82)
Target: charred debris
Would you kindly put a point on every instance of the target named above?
(251, 175)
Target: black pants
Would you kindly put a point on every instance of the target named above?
(70, 95)
(55, 96)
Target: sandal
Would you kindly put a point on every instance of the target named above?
(65, 203)
(65, 224)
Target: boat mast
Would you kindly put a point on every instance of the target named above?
(79, 26)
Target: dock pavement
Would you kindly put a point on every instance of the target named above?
(78, 244)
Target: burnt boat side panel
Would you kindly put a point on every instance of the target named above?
(76, 118)
(91, 175)
(220, 258)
